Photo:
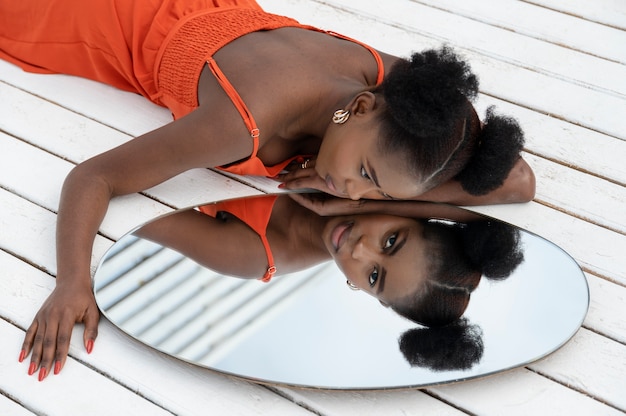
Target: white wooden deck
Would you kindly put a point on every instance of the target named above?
(557, 65)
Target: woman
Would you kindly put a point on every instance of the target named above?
(228, 72)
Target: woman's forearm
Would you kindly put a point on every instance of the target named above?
(84, 202)
(519, 186)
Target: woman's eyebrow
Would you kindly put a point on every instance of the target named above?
(381, 284)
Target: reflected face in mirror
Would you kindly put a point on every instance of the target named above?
(383, 255)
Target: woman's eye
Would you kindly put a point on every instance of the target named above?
(373, 278)
(364, 173)
(390, 241)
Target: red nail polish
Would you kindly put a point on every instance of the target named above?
(281, 186)
(42, 373)
(22, 355)
(32, 368)
(89, 346)
(57, 367)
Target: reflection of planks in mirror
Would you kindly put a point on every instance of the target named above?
(173, 304)
(306, 330)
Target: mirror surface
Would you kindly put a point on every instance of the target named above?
(307, 328)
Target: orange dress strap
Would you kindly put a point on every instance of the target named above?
(234, 96)
(255, 213)
(374, 52)
(253, 165)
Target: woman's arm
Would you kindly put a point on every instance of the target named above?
(132, 167)
(325, 205)
(225, 246)
(519, 186)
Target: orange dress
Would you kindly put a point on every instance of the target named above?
(255, 213)
(156, 48)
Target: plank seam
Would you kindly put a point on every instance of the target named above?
(526, 34)
(603, 335)
(575, 167)
(292, 399)
(576, 389)
(578, 216)
(555, 116)
(587, 19)
(71, 110)
(18, 402)
(448, 402)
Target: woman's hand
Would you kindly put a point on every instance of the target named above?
(302, 175)
(48, 337)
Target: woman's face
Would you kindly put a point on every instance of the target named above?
(352, 165)
(382, 255)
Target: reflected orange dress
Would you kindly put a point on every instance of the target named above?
(156, 48)
(255, 213)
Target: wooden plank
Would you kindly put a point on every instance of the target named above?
(549, 95)
(573, 146)
(180, 388)
(56, 396)
(9, 407)
(607, 12)
(393, 27)
(75, 138)
(35, 227)
(542, 23)
(589, 363)
(388, 403)
(69, 92)
(38, 176)
(520, 392)
(606, 300)
(579, 194)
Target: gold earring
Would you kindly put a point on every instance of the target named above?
(351, 285)
(340, 116)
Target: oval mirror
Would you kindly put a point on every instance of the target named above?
(477, 296)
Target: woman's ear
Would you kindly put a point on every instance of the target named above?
(364, 103)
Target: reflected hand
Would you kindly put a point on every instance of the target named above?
(325, 205)
(48, 337)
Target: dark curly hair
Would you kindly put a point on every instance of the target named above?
(457, 346)
(429, 118)
(459, 255)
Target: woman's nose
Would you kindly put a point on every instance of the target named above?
(363, 250)
(357, 190)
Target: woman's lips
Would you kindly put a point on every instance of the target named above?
(340, 234)
(330, 184)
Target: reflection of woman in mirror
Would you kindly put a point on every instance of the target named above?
(250, 92)
(456, 346)
(424, 269)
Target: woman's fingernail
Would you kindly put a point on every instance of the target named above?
(281, 186)
(42, 373)
(57, 367)
(22, 355)
(89, 346)
(32, 368)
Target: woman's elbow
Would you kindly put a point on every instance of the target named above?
(522, 182)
